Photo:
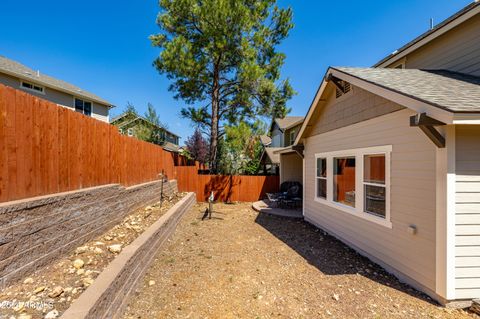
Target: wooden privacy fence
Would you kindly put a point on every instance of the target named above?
(225, 188)
(46, 149)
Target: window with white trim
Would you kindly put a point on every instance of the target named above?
(84, 107)
(32, 87)
(344, 180)
(374, 184)
(130, 132)
(356, 181)
(321, 178)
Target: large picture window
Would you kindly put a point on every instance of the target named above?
(356, 181)
(344, 180)
(321, 178)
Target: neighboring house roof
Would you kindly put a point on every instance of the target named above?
(265, 140)
(288, 122)
(273, 157)
(137, 117)
(23, 72)
(451, 91)
(461, 16)
(450, 97)
(285, 150)
(170, 147)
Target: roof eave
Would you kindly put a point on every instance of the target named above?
(407, 101)
(445, 116)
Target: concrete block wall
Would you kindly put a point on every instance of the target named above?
(34, 232)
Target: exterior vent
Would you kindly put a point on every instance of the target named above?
(345, 88)
(338, 93)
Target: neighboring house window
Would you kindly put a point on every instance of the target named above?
(292, 137)
(321, 183)
(33, 87)
(130, 132)
(356, 182)
(120, 131)
(84, 107)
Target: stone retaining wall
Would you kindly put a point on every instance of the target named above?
(108, 296)
(36, 231)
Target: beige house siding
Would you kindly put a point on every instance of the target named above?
(457, 50)
(467, 215)
(356, 106)
(99, 112)
(410, 257)
(291, 166)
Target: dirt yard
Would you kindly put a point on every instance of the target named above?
(244, 265)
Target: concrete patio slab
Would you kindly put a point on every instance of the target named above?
(264, 206)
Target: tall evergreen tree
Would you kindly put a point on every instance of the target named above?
(222, 60)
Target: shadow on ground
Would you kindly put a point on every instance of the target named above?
(329, 255)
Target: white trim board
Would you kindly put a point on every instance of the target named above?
(445, 219)
(358, 210)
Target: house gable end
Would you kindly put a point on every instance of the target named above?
(332, 113)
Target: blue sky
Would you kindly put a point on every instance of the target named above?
(103, 46)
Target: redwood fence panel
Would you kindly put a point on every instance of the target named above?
(46, 149)
(225, 188)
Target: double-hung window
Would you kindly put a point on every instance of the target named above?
(84, 107)
(375, 189)
(356, 181)
(321, 182)
(292, 137)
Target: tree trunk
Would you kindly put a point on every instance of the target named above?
(214, 123)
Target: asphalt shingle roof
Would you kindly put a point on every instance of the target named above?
(266, 140)
(273, 157)
(19, 70)
(289, 121)
(451, 91)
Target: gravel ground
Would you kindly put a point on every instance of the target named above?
(241, 264)
(52, 289)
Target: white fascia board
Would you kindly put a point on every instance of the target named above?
(467, 118)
